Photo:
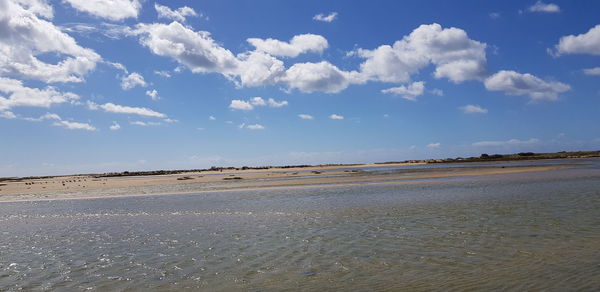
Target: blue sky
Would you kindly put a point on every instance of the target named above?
(87, 86)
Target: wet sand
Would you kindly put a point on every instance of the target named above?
(90, 186)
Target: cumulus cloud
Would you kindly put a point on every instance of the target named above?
(473, 109)
(237, 104)
(212, 118)
(540, 6)
(110, 9)
(258, 101)
(326, 18)
(336, 117)
(121, 109)
(179, 14)
(297, 45)
(587, 43)
(258, 68)
(511, 142)
(25, 36)
(592, 71)
(434, 145)
(115, 126)
(22, 96)
(322, 76)
(132, 80)
(409, 92)
(454, 54)
(195, 50)
(153, 94)
(514, 83)
(305, 117)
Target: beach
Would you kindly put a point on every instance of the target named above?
(484, 227)
(97, 186)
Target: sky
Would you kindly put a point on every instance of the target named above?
(92, 86)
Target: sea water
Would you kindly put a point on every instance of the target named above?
(534, 231)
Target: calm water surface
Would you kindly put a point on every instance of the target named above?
(538, 231)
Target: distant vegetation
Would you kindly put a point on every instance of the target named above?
(518, 156)
(482, 158)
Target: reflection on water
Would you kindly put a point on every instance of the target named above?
(539, 231)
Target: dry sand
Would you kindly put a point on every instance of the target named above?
(88, 186)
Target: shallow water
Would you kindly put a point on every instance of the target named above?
(535, 231)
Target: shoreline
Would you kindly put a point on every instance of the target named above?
(89, 187)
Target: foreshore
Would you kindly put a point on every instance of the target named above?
(90, 186)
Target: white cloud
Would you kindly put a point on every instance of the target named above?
(153, 94)
(195, 50)
(121, 109)
(592, 71)
(273, 103)
(455, 56)
(110, 30)
(297, 45)
(258, 68)
(74, 125)
(170, 121)
(212, 118)
(132, 80)
(587, 43)
(540, 6)
(237, 104)
(7, 115)
(255, 127)
(305, 117)
(38, 7)
(115, 126)
(179, 14)
(473, 109)
(258, 101)
(336, 117)
(50, 116)
(25, 36)
(514, 83)
(326, 18)
(322, 76)
(62, 123)
(144, 124)
(201, 54)
(117, 65)
(511, 142)
(434, 145)
(165, 74)
(21, 96)
(110, 9)
(411, 92)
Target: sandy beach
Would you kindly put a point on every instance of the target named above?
(92, 186)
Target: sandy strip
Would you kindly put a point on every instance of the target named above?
(81, 187)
